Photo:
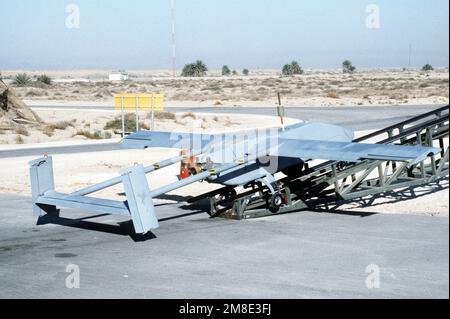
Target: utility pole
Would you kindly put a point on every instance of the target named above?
(172, 5)
(409, 59)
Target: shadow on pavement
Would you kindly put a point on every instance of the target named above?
(123, 229)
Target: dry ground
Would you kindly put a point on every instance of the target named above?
(67, 125)
(314, 88)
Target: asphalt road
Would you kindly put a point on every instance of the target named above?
(355, 118)
(301, 255)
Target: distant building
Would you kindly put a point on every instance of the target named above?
(118, 76)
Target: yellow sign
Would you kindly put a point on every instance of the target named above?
(144, 102)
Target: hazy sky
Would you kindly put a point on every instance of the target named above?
(136, 34)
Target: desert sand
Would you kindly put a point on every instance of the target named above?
(314, 88)
(70, 125)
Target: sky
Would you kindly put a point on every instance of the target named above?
(254, 34)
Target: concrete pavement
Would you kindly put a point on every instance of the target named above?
(301, 255)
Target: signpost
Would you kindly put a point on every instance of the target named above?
(123, 116)
(137, 113)
(152, 102)
(153, 113)
(281, 112)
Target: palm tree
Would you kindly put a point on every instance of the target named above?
(226, 70)
(196, 69)
(427, 67)
(347, 67)
(292, 69)
(22, 79)
(200, 68)
(296, 68)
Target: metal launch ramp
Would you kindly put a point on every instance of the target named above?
(329, 183)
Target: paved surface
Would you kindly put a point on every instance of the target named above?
(301, 255)
(356, 118)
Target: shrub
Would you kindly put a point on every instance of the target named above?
(234, 72)
(226, 70)
(164, 116)
(116, 124)
(245, 72)
(59, 125)
(89, 135)
(196, 69)
(97, 135)
(48, 131)
(32, 93)
(130, 123)
(19, 139)
(333, 95)
(347, 67)
(22, 131)
(427, 68)
(190, 114)
(22, 79)
(44, 79)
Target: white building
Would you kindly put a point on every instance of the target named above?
(118, 76)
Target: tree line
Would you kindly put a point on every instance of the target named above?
(199, 69)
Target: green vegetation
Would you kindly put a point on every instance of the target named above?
(427, 68)
(245, 72)
(292, 69)
(19, 139)
(44, 79)
(22, 79)
(164, 116)
(59, 126)
(197, 69)
(97, 135)
(226, 70)
(332, 95)
(347, 67)
(130, 123)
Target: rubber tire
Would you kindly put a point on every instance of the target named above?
(276, 202)
(229, 193)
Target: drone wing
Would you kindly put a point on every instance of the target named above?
(351, 152)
